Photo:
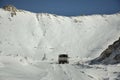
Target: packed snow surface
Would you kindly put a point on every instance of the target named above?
(26, 38)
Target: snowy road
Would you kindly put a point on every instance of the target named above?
(64, 72)
(14, 70)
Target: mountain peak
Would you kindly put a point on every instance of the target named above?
(10, 8)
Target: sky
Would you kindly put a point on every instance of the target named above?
(66, 7)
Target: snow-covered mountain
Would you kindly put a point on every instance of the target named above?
(26, 38)
(31, 34)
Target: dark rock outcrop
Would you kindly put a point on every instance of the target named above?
(109, 56)
(10, 8)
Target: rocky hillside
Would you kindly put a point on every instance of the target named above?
(109, 56)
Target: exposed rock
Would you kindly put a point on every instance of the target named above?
(109, 56)
(117, 57)
(44, 57)
(10, 8)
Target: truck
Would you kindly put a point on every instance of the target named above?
(63, 59)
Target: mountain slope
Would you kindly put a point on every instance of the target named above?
(33, 35)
